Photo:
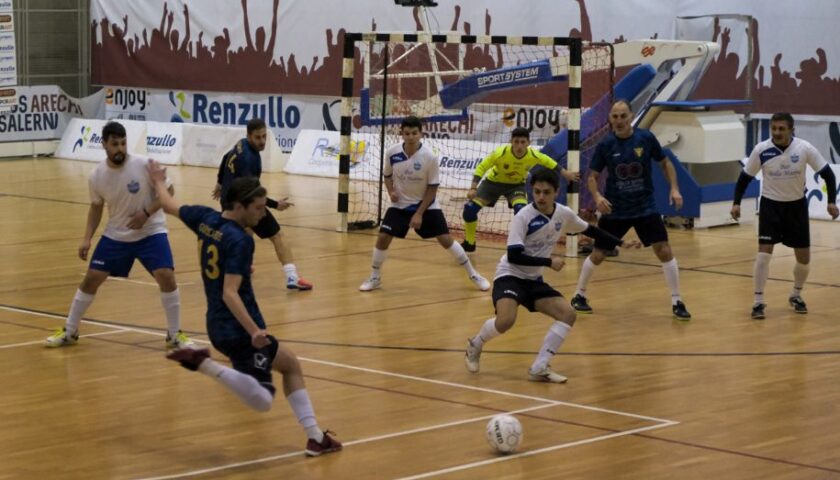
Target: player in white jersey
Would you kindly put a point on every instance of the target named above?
(136, 229)
(532, 235)
(783, 209)
(411, 171)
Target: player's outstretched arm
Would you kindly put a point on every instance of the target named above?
(158, 176)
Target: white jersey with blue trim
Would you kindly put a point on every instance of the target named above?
(411, 175)
(783, 172)
(538, 234)
(126, 189)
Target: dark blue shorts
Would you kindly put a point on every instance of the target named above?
(249, 360)
(117, 258)
(650, 229)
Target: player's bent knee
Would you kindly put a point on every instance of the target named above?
(262, 401)
(471, 210)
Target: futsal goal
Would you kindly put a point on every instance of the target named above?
(470, 92)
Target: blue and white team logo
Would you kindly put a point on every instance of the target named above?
(417, 166)
(557, 226)
(260, 361)
(133, 186)
(794, 158)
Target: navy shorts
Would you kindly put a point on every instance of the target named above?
(267, 227)
(256, 362)
(117, 258)
(525, 292)
(650, 229)
(785, 222)
(396, 223)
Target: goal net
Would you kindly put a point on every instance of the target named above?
(470, 96)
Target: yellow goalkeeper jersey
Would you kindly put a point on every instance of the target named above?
(502, 166)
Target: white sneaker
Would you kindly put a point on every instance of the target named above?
(480, 282)
(472, 357)
(61, 339)
(545, 374)
(371, 283)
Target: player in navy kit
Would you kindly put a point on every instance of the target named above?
(628, 154)
(244, 160)
(234, 322)
(783, 209)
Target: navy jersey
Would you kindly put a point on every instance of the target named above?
(224, 247)
(241, 161)
(630, 181)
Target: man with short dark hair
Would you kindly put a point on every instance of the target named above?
(136, 230)
(532, 235)
(244, 160)
(783, 210)
(411, 172)
(503, 173)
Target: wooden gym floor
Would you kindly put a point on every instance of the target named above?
(722, 396)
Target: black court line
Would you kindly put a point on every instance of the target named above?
(526, 414)
(450, 350)
(570, 354)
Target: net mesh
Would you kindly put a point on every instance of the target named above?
(470, 98)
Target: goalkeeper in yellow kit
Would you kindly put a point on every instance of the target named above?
(504, 172)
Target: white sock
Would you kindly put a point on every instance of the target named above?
(461, 257)
(760, 273)
(672, 279)
(379, 257)
(291, 272)
(551, 343)
(244, 386)
(488, 332)
(800, 274)
(585, 274)
(299, 401)
(171, 302)
(80, 304)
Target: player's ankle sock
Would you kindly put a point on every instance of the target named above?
(302, 407)
(171, 302)
(761, 271)
(379, 257)
(551, 344)
(80, 304)
(291, 272)
(585, 275)
(246, 387)
(672, 278)
(800, 274)
(461, 257)
(488, 332)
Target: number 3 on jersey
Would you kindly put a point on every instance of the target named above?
(210, 262)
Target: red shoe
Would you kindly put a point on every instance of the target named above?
(298, 284)
(327, 445)
(189, 358)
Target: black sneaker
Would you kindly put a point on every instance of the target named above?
(680, 313)
(580, 305)
(188, 357)
(758, 311)
(467, 246)
(798, 304)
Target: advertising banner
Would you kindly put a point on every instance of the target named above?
(43, 112)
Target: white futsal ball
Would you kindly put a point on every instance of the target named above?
(504, 433)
